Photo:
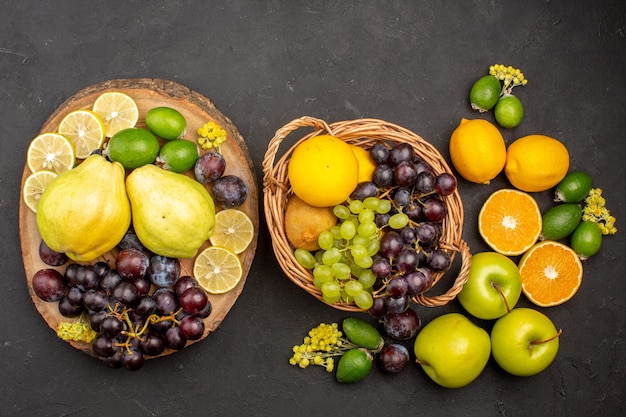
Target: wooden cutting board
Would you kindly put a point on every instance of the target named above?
(197, 110)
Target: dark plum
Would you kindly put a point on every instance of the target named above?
(163, 271)
(394, 358)
(402, 326)
(132, 264)
(230, 191)
(209, 167)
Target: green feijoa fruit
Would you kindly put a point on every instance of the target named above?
(509, 111)
(560, 221)
(485, 93)
(586, 239)
(166, 122)
(362, 333)
(178, 155)
(574, 187)
(353, 366)
(133, 147)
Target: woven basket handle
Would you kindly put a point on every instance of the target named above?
(269, 179)
(461, 279)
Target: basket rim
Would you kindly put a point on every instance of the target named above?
(360, 132)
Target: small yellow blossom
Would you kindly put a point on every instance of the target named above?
(511, 77)
(211, 135)
(76, 331)
(319, 346)
(595, 211)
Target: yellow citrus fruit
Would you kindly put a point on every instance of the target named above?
(323, 171)
(50, 152)
(34, 186)
(117, 110)
(477, 150)
(233, 230)
(366, 164)
(551, 273)
(85, 129)
(217, 270)
(536, 163)
(510, 222)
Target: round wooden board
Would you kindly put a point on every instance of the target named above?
(197, 110)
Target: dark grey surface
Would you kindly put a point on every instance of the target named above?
(264, 63)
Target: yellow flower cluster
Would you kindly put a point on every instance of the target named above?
(77, 331)
(320, 345)
(595, 211)
(211, 135)
(510, 77)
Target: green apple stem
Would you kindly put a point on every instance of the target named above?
(538, 342)
(499, 289)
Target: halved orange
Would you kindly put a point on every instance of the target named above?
(510, 221)
(551, 273)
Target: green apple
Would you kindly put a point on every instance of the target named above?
(493, 286)
(524, 342)
(452, 350)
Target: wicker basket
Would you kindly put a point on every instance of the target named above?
(360, 132)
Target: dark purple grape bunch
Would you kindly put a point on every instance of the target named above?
(139, 307)
(410, 256)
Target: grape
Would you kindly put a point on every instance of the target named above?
(51, 257)
(143, 285)
(347, 230)
(367, 279)
(372, 203)
(174, 338)
(421, 166)
(404, 174)
(406, 261)
(438, 260)
(383, 207)
(192, 327)
(408, 235)
(230, 191)
(305, 258)
(402, 197)
(132, 264)
(398, 221)
(193, 300)
(390, 244)
(364, 300)
(152, 344)
(48, 284)
(126, 293)
(161, 326)
(401, 152)
(111, 326)
(445, 184)
(331, 289)
(321, 274)
(75, 296)
(163, 271)
(86, 278)
(68, 310)
(356, 206)
(101, 268)
(103, 346)
(365, 262)
(95, 319)
(383, 176)
(341, 212)
(110, 280)
(379, 153)
(414, 211)
(352, 288)
(340, 270)
(166, 301)
(206, 311)
(382, 220)
(114, 361)
(378, 308)
(95, 300)
(184, 283)
(70, 274)
(381, 268)
(145, 306)
(364, 190)
(397, 287)
(132, 359)
(331, 256)
(425, 182)
(418, 281)
(130, 240)
(434, 210)
(394, 358)
(402, 326)
(426, 233)
(397, 304)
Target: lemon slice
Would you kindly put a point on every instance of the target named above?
(233, 230)
(34, 186)
(217, 270)
(85, 129)
(117, 110)
(50, 152)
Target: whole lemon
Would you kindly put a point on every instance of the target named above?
(477, 150)
(536, 163)
(323, 171)
(366, 164)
